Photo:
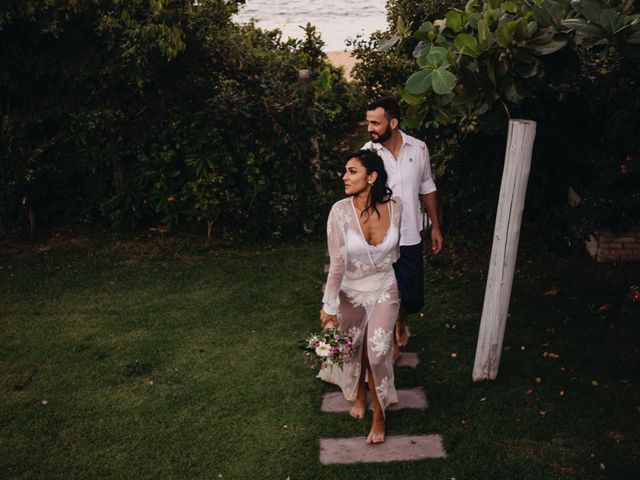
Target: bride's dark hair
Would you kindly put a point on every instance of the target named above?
(380, 191)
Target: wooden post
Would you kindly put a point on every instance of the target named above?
(505, 249)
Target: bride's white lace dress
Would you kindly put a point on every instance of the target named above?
(361, 289)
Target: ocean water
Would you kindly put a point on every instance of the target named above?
(336, 20)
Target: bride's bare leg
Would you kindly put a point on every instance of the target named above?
(359, 407)
(376, 435)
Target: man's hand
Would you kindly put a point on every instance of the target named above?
(328, 321)
(430, 203)
(436, 240)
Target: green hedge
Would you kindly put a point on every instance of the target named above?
(139, 113)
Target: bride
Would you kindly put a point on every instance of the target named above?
(361, 295)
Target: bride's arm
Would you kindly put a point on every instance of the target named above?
(335, 244)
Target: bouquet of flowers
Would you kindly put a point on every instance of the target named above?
(330, 347)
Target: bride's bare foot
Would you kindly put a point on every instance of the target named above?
(359, 407)
(376, 435)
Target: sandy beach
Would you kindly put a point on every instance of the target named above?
(343, 59)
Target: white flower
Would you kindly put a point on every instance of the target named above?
(356, 336)
(323, 349)
(383, 389)
(381, 342)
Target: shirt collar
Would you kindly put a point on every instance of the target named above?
(406, 139)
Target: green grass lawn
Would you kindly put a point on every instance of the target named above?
(158, 360)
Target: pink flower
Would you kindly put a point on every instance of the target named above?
(623, 169)
(629, 158)
(171, 199)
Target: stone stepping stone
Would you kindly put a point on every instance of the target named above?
(395, 448)
(413, 398)
(408, 359)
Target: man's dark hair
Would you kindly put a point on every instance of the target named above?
(389, 105)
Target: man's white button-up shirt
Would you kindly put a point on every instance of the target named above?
(409, 176)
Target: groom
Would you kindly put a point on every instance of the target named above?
(406, 160)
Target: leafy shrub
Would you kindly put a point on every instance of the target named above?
(563, 65)
(109, 113)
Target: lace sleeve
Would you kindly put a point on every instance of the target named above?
(335, 243)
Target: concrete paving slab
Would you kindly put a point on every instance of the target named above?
(395, 448)
(413, 398)
(408, 359)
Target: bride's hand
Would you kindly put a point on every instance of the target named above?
(328, 321)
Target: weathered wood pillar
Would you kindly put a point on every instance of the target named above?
(505, 249)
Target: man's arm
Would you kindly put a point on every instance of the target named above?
(430, 204)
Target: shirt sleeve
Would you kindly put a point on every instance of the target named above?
(397, 221)
(335, 244)
(427, 185)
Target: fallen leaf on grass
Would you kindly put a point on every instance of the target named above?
(538, 380)
(606, 307)
(44, 402)
(454, 355)
(594, 383)
(542, 413)
(551, 293)
(602, 466)
(562, 393)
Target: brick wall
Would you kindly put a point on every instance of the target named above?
(605, 246)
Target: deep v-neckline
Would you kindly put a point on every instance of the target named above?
(355, 211)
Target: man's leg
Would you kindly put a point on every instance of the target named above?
(409, 271)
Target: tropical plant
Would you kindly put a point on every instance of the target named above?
(477, 65)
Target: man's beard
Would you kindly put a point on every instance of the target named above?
(384, 137)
